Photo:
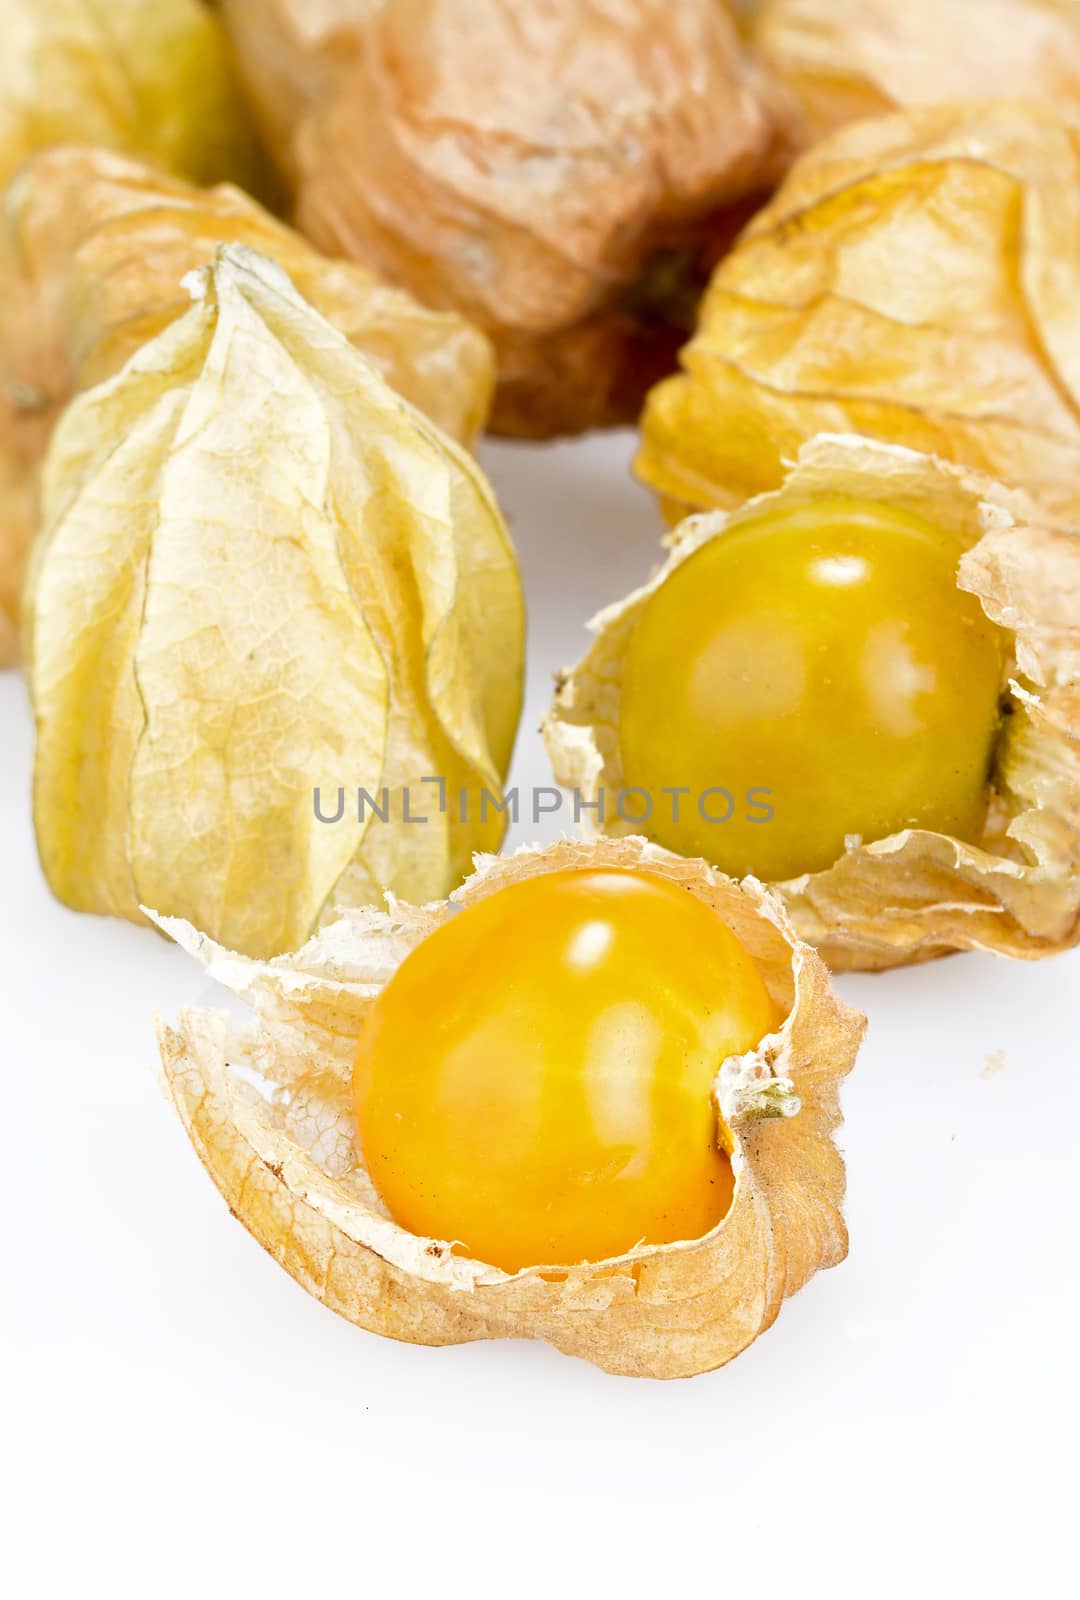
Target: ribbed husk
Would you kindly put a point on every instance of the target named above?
(916, 280)
(565, 174)
(93, 248)
(846, 59)
(262, 572)
(917, 894)
(152, 77)
(270, 1115)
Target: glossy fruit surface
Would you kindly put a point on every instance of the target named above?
(535, 1081)
(808, 675)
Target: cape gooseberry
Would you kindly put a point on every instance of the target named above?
(535, 1082)
(811, 674)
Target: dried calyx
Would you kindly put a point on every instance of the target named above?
(154, 79)
(93, 250)
(270, 1114)
(915, 280)
(955, 871)
(538, 167)
(849, 59)
(262, 572)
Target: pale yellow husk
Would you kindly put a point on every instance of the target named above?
(916, 280)
(917, 894)
(263, 571)
(846, 59)
(152, 77)
(269, 1112)
(93, 248)
(562, 173)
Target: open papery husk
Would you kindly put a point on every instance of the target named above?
(155, 78)
(563, 174)
(93, 250)
(849, 59)
(265, 583)
(916, 279)
(270, 1115)
(918, 894)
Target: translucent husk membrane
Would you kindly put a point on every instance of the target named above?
(917, 894)
(152, 77)
(916, 280)
(269, 1112)
(263, 572)
(847, 59)
(563, 173)
(93, 248)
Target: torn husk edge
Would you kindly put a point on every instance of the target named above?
(917, 894)
(270, 1115)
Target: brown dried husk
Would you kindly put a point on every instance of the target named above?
(915, 280)
(847, 59)
(270, 1115)
(918, 894)
(93, 248)
(289, 54)
(565, 174)
(262, 573)
(152, 77)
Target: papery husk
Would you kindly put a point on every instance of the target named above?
(847, 59)
(289, 53)
(564, 174)
(916, 280)
(270, 1115)
(18, 512)
(263, 572)
(153, 77)
(93, 248)
(918, 894)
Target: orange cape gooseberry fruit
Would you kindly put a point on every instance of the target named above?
(535, 1081)
(865, 690)
(271, 1111)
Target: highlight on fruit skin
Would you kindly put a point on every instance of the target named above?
(270, 1114)
(814, 674)
(918, 893)
(93, 248)
(264, 574)
(915, 281)
(155, 78)
(849, 59)
(562, 174)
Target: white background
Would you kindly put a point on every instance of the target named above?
(180, 1418)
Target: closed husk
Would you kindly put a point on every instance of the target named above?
(916, 280)
(562, 173)
(153, 77)
(846, 59)
(264, 573)
(289, 53)
(269, 1112)
(93, 248)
